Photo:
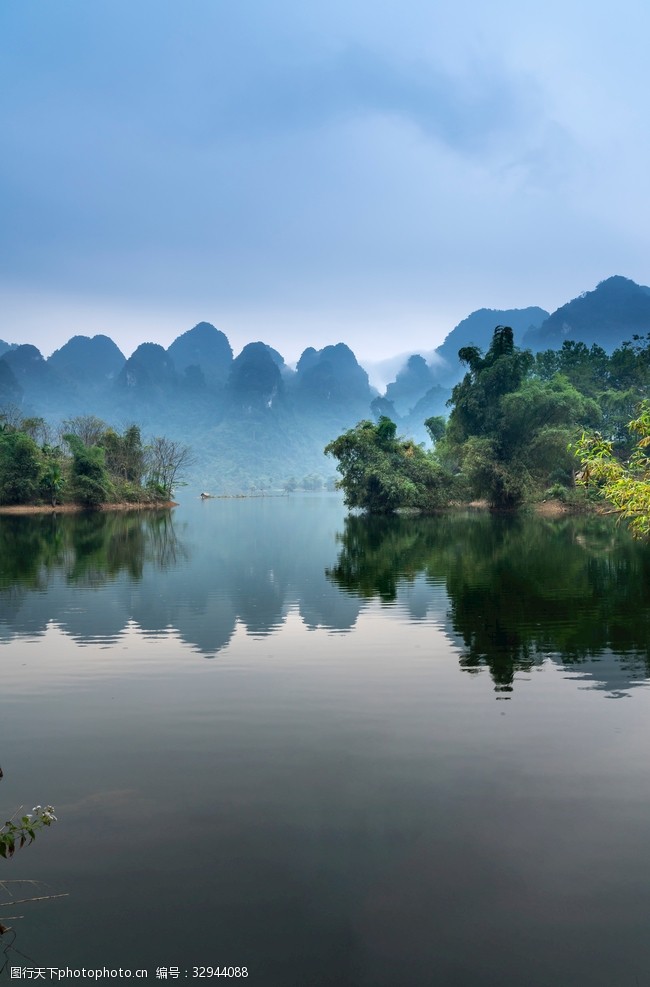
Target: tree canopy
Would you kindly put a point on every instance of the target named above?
(381, 472)
(506, 440)
(91, 464)
(626, 485)
(508, 432)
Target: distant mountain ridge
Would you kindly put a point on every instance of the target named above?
(612, 313)
(477, 328)
(95, 361)
(254, 420)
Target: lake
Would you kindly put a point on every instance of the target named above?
(331, 750)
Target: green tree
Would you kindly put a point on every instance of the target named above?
(436, 426)
(20, 467)
(508, 433)
(586, 368)
(52, 477)
(125, 454)
(476, 399)
(91, 484)
(625, 485)
(381, 473)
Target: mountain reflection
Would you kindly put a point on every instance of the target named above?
(520, 589)
(508, 592)
(246, 562)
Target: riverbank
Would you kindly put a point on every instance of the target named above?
(80, 508)
(552, 507)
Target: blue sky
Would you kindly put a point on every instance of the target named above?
(305, 173)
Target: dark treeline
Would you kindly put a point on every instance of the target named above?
(515, 419)
(87, 463)
(588, 583)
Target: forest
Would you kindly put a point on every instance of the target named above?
(86, 463)
(571, 424)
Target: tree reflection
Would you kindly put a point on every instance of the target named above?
(520, 589)
(92, 548)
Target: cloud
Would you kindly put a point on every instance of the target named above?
(388, 164)
(467, 110)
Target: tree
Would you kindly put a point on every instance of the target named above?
(381, 473)
(508, 433)
(476, 399)
(37, 429)
(125, 456)
(625, 485)
(91, 484)
(436, 426)
(166, 462)
(20, 467)
(52, 478)
(88, 428)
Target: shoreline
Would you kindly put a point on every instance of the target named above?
(546, 508)
(79, 508)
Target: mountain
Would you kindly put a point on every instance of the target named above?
(411, 383)
(204, 347)
(149, 369)
(252, 422)
(331, 376)
(422, 388)
(88, 362)
(255, 381)
(4, 347)
(477, 329)
(33, 374)
(612, 313)
(10, 390)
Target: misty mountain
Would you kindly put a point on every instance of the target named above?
(612, 313)
(331, 376)
(11, 393)
(148, 371)
(421, 389)
(205, 348)
(411, 383)
(6, 346)
(255, 380)
(477, 329)
(252, 421)
(37, 380)
(86, 362)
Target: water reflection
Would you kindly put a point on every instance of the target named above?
(509, 592)
(46, 561)
(231, 563)
(520, 589)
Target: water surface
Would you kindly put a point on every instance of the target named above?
(334, 751)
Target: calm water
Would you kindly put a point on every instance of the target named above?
(346, 752)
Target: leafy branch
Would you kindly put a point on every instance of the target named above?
(625, 485)
(15, 835)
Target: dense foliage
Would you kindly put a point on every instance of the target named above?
(382, 473)
(497, 571)
(512, 431)
(625, 485)
(89, 464)
(508, 431)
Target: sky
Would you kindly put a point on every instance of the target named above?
(308, 173)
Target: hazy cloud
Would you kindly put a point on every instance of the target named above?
(369, 172)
